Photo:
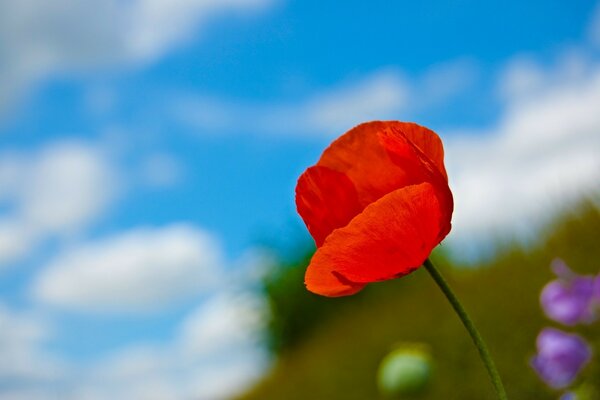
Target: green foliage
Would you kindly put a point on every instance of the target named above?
(331, 348)
(295, 312)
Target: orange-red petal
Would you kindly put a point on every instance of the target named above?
(403, 152)
(390, 238)
(363, 155)
(426, 140)
(326, 200)
(321, 280)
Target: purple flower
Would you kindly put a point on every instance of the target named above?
(597, 290)
(572, 298)
(560, 357)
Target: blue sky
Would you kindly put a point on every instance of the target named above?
(149, 149)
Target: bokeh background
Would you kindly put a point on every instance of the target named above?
(149, 245)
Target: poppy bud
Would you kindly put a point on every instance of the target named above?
(405, 371)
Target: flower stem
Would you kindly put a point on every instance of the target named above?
(468, 323)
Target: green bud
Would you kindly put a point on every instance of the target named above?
(405, 371)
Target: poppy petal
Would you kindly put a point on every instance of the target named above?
(426, 140)
(403, 153)
(407, 155)
(390, 238)
(326, 200)
(320, 279)
(363, 155)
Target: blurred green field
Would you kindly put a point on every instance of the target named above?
(330, 349)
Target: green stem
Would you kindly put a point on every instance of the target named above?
(468, 323)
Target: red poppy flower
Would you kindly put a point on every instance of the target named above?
(377, 202)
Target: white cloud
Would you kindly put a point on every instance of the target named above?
(525, 76)
(57, 191)
(16, 241)
(23, 360)
(543, 154)
(214, 353)
(383, 94)
(228, 321)
(139, 270)
(41, 39)
(11, 173)
(378, 96)
(444, 81)
(522, 75)
(594, 27)
(69, 186)
(161, 170)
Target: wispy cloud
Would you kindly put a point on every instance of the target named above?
(140, 270)
(23, 358)
(161, 170)
(543, 153)
(39, 39)
(380, 94)
(594, 27)
(384, 94)
(212, 354)
(56, 191)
